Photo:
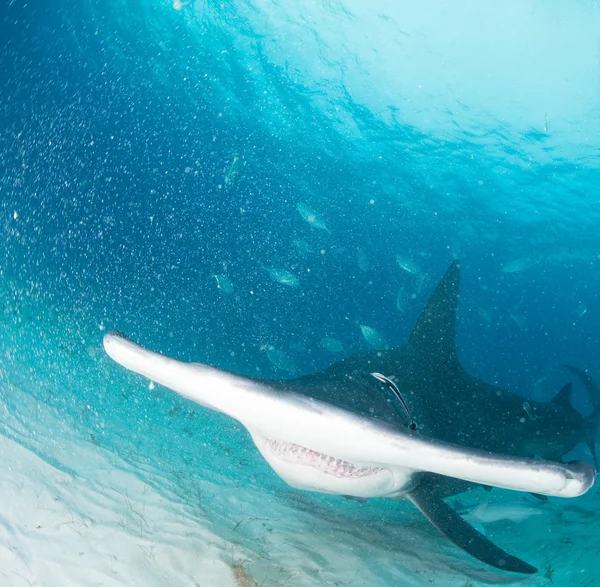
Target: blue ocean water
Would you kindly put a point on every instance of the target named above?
(147, 147)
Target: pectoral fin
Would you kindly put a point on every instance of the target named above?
(451, 525)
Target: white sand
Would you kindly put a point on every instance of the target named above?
(105, 529)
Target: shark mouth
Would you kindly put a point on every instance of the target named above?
(299, 455)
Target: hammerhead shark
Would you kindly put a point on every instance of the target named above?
(337, 431)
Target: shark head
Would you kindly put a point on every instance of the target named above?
(321, 432)
(309, 443)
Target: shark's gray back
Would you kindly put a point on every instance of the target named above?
(446, 402)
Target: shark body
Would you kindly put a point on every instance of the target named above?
(338, 432)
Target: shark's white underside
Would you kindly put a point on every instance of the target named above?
(316, 446)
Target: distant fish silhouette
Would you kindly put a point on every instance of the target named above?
(372, 336)
(401, 301)
(333, 345)
(363, 261)
(280, 360)
(303, 247)
(232, 172)
(282, 276)
(408, 265)
(311, 216)
(518, 265)
(224, 284)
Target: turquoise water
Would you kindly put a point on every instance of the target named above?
(158, 165)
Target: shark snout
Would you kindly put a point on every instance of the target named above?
(113, 341)
(205, 385)
(581, 477)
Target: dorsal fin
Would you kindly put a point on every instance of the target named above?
(433, 335)
(563, 397)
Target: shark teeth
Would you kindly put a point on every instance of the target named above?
(299, 455)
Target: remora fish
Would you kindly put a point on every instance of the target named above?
(333, 431)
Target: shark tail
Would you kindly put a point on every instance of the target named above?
(593, 420)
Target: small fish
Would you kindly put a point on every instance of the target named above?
(178, 4)
(530, 411)
(224, 284)
(311, 216)
(282, 276)
(518, 265)
(401, 301)
(519, 320)
(333, 345)
(280, 360)
(303, 247)
(372, 336)
(408, 265)
(488, 513)
(232, 172)
(363, 261)
(581, 310)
